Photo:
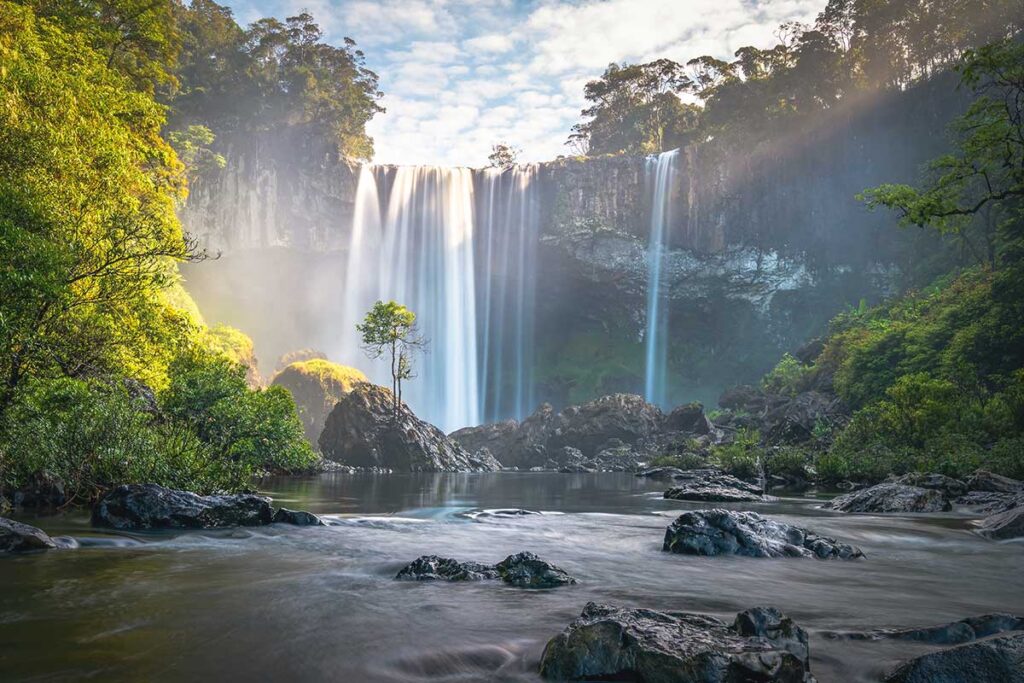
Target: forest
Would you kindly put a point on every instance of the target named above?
(513, 356)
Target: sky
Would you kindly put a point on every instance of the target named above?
(461, 75)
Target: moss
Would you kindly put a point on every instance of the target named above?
(316, 385)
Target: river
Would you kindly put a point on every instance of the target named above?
(295, 603)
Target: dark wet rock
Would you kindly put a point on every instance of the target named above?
(688, 418)
(499, 513)
(948, 486)
(727, 532)
(713, 486)
(16, 537)
(148, 506)
(435, 568)
(983, 480)
(43, 490)
(995, 659)
(627, 644)
(498, 438)
(590, 426)
(775, 627)
(523, 570)
(297, 517)
(526, 570)
(5, 505)
(891, 497)
(990, 502)
(1003, 525)
(955, 633)
(363, 431)
(795, 420)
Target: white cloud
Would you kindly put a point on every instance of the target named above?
(460, 75)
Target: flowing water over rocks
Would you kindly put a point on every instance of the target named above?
(321, 603)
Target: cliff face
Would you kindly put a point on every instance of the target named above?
(767, 241)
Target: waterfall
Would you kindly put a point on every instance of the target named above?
(659, 177)
(508, 232)
(419, 252)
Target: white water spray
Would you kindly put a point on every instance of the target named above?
(659, 179)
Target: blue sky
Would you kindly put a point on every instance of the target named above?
(459, 75)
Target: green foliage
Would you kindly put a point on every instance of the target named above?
(503, 155)
(683, 461)
(252, 428)
(390, 328)
(327, 374)
(787, 461)
(741, 458)
(193, 148)
(92, 436)
(786, 376)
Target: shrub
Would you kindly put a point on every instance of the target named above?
(787, 461)
(741, 457)
(786, 376)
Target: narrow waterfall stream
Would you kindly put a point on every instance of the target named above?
(659, 176)
(422, 235)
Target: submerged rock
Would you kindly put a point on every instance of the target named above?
(149, 506)
(435, 568)
(297, 517)
(891, 497)
(523, 570)
(16, 537)
(995, 659)
(526, 570)
(364, 431)
(955, 633)
(617, 643)
(726, 532)
(1003, 525)
(713, 486)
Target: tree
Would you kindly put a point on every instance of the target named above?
(979, 187)
(636, 109)
(390, 328)
(503, 155)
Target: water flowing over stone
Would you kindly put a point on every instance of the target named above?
(660, 174)
(457, 247)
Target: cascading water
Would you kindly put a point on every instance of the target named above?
(507, 234)
(419, 252)
(659, 178)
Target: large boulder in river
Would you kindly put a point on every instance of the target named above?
(995, 659)
(591, 426)
(618, 643)
(983, 480)
(726, 532)
(500, 439)
(16, 537)
(891, 497)
(1003, 525)
(363, 430)
(149, 506)
(523, 570)
(714, 486)
(316, 385)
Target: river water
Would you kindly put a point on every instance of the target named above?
(293, 603)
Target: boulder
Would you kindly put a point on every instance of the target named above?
(149, 506)
(688, 418)
(363, 431)
(713, 486)
(523, 570)
(499, 438)
(795, 420)
(317, 385)
(990, 502)
(590, 426)
(995, 659)
(435, 568)
(954, 633)
(891, 497)
(526, 570)
(297, 518)
(661, 473)
(983, 480)
(948, 486)
(16, 537)
(1003, 525)
(726, 532)
(628, 644)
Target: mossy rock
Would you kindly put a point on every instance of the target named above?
(316, 385)
(238, 347)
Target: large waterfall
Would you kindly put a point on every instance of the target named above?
(458, 249)
(659, 176)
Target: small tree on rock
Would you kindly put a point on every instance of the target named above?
(389, 328)
(503, 155)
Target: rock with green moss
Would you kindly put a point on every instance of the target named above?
(317, 385)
